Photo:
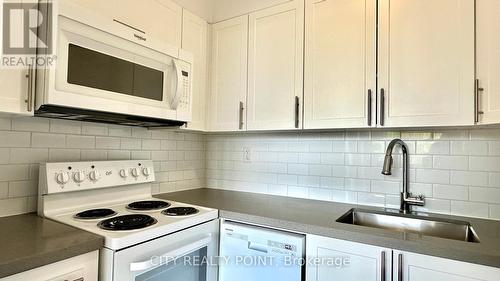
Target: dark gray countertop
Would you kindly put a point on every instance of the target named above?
(28, 241)
(318, 217)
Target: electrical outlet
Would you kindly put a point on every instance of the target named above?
(247, 154)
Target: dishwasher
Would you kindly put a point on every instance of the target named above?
(254, 253)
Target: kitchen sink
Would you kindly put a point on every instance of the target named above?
(411, 223)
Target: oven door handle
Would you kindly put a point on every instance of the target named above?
(170, 256)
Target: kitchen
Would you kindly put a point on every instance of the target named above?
(250, 140)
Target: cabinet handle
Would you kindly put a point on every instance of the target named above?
(400, 267)
(382, 265)
(297, 111)
(477, 91)
(29, 99)
(242, 108)
(382, 107)
(369, 111)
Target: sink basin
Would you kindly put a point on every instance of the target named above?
(411, 223)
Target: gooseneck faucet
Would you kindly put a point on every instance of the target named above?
(407, 200)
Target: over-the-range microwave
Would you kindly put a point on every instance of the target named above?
(100, 74)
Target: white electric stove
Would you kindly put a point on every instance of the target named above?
(145, 238)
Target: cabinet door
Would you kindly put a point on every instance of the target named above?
(488, 60)
(416, 267)
(347, 261)
(275, 67)
(229, 74)
(16, 96)
(194, 40)
(340, 66)
(426, 62)
(159, 21)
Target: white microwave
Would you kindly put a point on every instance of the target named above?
(100, 76)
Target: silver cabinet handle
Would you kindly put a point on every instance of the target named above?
(297, 112)
(382, 107)
(369, 111)
(242, 108)
(477, 111)
(382, 266)
(400, 267)
(29, 98)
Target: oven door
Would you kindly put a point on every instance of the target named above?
(98, 71)
(187, 255)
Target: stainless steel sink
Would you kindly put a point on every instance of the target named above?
(411, 223)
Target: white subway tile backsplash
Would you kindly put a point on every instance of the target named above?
(474, 148)
(491, 164)
(485, 194)
(320, 146)
(320, 170)
(94, 129)
(119, 131)
(4, 190)
(446, 166)
(495, 212)
(64, 155)
(451, 162)
(4, 155)
(28, 155)
(469, 178)
(452, 192)
(77, 141)
(332, 158)
(30, 124)
(385, 187)
(372, 199)
(5, 123)
(470, 209)
(433, 147)
(15, 139)
(65, 127)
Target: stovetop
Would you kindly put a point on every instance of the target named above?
(122, 226)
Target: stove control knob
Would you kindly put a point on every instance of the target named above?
(95, 175)
(134, 172)
(146, 171)
(79, 176)
(123, 173)
(62, 178)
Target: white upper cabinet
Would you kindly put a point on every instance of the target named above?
(154, 20)
(340, 64)
(229, 75)
(17, 95)
(194, 40)
(488, 61)
(275, 67)
(426, 62)
(416, 267)
(346, 261)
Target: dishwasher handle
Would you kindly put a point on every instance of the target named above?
(257, 247)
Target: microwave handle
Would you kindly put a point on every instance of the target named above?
(178, 85)
(172, 255)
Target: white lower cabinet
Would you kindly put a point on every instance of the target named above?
(79, 268)
(331, 259)
(416, 267)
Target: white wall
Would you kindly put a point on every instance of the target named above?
(225, 9)
(457, 170)
(218, 10)
(201, 8)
